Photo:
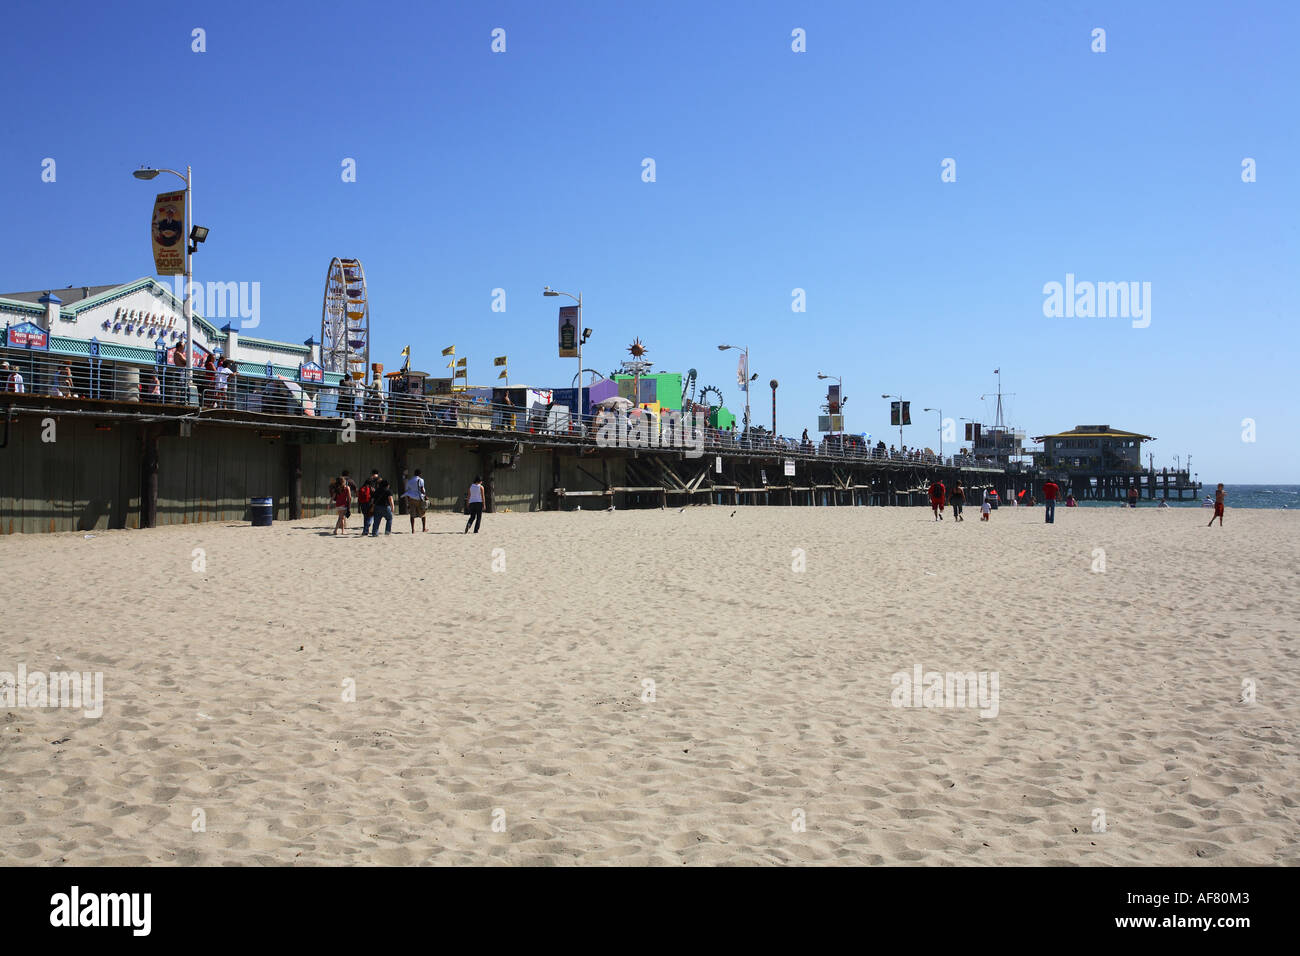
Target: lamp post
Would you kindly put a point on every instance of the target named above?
(193, 236)
(900, 420)
(744, 384)
(582, 336)
(940, 411)
(839, 380)
(774, 383)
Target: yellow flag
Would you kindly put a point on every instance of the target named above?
(504, 373)
(406, 351)
(461, 363)
(499, 360)
(462, 373)
(449, 351)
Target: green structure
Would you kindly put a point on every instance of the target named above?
(721, 419)
(662, 387)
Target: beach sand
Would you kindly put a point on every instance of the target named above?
(516, 696)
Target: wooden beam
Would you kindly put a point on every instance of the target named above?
(295, 482)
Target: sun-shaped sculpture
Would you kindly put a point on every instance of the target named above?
(637, 349)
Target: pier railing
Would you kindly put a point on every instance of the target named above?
(51, 380)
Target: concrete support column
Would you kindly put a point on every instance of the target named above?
(399, 469)
(149, 477)
(295, 482)
(487, 470)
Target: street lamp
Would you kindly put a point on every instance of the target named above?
(744, 384)
(582, 336)
(839, 379)
(900, 419)
(193, 236)
(940, 411)
(774, 383)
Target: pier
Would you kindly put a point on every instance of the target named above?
(80, 464)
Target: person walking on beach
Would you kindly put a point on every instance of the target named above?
(352, 489)
(937, 495)
(1133, 497)
(1050, 490)
(986, 508)
(1218, 506)
(415, 501)
(342, 497)
(474, 505)
(958, 498)
(366, 498)
(366, 502)
(383, 505)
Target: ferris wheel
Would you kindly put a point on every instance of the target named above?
(345, 321)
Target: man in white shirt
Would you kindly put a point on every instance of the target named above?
(223, 380)
(474, 505)
(13, 380)
(415, 501)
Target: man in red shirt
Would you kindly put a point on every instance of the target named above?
(1050, 492)
(938, 495)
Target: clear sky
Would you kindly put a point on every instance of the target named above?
(775, 170)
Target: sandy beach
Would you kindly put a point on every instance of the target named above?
(503, 714)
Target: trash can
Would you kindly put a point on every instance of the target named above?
(262, 509)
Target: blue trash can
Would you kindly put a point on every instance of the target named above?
(262, 509)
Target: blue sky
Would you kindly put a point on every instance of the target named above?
(775, 170)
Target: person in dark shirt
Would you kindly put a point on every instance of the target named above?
(958, 498)
(383, 506)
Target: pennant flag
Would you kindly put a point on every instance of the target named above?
(461, 363)
(499, 360)
(406, 351)
(503, 374)
(461, 374)
(449, 351)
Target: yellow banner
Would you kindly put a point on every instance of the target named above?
(449, 351)
(499, 360)
(461, 363)
(168, 232)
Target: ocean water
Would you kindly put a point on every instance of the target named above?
(1238, 496)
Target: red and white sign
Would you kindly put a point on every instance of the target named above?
(25, 335)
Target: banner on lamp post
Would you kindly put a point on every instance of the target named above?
(168, 233)
(568, 331)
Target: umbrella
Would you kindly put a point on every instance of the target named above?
(614, 401)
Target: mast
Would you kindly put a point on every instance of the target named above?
(998, 423)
